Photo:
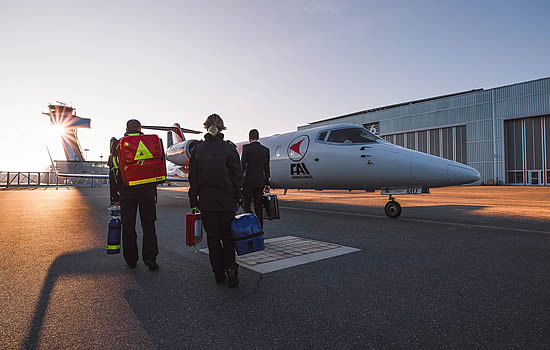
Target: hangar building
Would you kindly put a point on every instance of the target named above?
(503, 132)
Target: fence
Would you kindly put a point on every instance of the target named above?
(44, 179)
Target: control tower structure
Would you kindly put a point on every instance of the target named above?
(65, 116)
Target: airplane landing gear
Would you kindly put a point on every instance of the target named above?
(392, 208)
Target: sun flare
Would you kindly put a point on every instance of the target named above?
(58, 130)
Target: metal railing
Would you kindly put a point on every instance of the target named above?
(44, 179)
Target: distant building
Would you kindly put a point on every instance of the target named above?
(503, 132)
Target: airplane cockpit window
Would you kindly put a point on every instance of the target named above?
(322, 136)
(351, 135)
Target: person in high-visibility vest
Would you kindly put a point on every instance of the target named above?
(131, 198)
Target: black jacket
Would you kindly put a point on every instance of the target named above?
(255, 164)
(215, 175)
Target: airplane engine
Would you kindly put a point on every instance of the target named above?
(180, 153)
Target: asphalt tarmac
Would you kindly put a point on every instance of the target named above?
(462, 268)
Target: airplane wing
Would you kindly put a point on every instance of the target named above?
(103, 176)
(170, 128)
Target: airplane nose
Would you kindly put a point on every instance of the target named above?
(463, 174)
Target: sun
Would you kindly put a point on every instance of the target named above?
(58, 130)
(54, 134)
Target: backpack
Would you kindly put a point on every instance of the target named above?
(141, 159)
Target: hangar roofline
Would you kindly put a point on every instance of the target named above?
(418, 101)
(376, 109)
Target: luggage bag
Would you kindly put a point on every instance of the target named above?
(247, 234)
(193, 229)
(271, 207)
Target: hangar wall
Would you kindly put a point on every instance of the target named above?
(482, 112)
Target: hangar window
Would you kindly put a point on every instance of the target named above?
(400, 140)
(434, 142)
(447, 142)
(351, 135)
(422, 140)
(411, 140)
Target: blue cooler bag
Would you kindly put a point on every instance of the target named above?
(247, 234)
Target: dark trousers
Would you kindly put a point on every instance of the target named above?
(254, 194)
(217, 225)
(147, 215)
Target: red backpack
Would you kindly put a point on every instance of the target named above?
(141, 159)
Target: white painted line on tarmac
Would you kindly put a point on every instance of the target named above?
(420, 220)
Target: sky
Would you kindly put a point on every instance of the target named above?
(270, 65)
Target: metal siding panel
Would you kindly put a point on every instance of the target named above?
(479, 152)
(481, 131)
(524, 106)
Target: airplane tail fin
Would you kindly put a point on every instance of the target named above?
(175, 132)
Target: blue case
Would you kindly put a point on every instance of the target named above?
(247, 234)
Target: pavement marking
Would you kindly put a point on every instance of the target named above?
(289, 251)
(421, 220)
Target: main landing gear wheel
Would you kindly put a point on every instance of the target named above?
(393, 209)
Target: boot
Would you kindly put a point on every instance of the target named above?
(232, 279)
(151, 263)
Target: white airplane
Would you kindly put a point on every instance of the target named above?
(338, 157)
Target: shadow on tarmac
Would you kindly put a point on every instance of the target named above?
(168, 303)
(180, 306)
(65, 265)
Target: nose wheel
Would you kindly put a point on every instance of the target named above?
(392, 208)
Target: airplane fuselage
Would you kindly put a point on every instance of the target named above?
(368, 166)
(347, 156)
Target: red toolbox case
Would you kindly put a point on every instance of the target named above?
(193, 229)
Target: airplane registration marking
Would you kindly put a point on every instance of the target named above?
(402, 191)
(419, 220)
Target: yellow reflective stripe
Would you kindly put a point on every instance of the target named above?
(146, 181)
(134, 134)
(115, 164)
(112, 247)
